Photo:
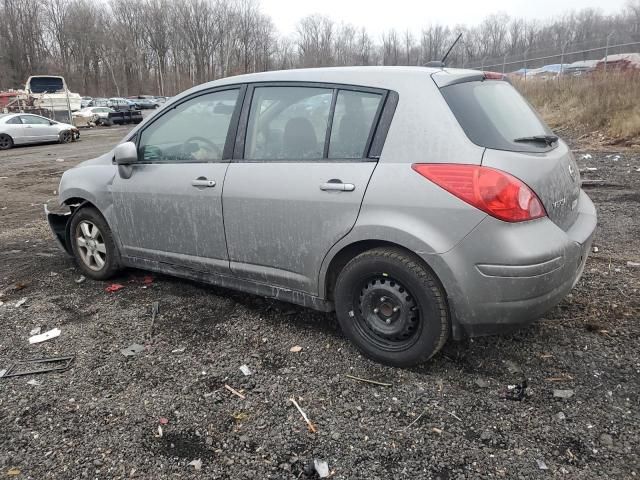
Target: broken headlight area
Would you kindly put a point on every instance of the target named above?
(58, 217)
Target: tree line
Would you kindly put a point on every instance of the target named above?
(128, 47)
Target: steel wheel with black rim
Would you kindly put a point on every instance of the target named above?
(392, 307)
(92, 244)
(66, 136)
(6, 142)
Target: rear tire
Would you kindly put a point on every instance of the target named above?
(6, 142)
(391, 307)
(92, 243)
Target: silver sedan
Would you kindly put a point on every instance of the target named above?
(26, 128)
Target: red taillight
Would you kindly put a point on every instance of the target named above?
(493, 191)
(493, 76)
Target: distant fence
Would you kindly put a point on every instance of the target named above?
(567, 55)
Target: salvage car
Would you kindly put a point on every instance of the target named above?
(98, 115)
(25, 128)
(418, 203)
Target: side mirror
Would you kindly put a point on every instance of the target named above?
(126, 153)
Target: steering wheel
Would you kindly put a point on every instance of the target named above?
(209, 145)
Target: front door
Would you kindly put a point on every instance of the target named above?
(39, 129)
(298, 188)
(170, 209)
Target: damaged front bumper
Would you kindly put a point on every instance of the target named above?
(58, 219)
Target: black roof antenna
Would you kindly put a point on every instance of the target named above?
(441, 64)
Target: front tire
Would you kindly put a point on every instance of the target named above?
(6, 142)
(391, 307)
(92, 243)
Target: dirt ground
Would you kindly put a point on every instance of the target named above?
(452, 418)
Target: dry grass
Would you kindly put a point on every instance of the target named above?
(602, 106)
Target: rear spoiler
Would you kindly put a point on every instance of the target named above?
(446, 78)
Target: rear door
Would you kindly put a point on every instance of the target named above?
(300, 172)
(170, 208)
(16, 129)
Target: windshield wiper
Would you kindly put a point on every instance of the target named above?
(546, 139)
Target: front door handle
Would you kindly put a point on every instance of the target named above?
(337, 186)
(203, 182)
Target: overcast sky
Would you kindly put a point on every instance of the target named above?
(379, 16)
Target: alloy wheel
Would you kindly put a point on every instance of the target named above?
(91, 245)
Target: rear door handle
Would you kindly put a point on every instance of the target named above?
(203, 182)
(337, 186)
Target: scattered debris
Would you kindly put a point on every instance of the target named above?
(245, 370)
(606, 440)
(179, 350)
(21, 302)
(516, 392)
(159, 434)
(596, 249)
(12, 472)
(541, 464)
(311, 426)
(382, 384)
(2, 372)
(155, 306)
(633, 264)
(21, 285)
(80, 279)
(436, 430)
(35, 331)
(416, 419)
(563, 393)
(34, 382)
(321, 467)
(196, 464)
(240, 416)
(132, 350)
(234, 391)
(163, 420)
(560, 417)
(60, 160)
(586, 156)
(147, 280)
(39, 365)
(295, 349)
(482, 383)
(43, 337)
(114, 287)
(513, 367)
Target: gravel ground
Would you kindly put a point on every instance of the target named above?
(452, 418)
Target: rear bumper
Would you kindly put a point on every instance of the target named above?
(503, 275)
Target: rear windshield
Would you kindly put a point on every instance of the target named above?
(493, 114)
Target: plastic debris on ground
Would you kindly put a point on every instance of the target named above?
(516, 392)
(295, 349)
(132, 350)
(563, 393)
(586, 156)
(21, 302)
(34, 382)
(163, 420)
(245, 370)
(114, 287)
(179, 350)
(541, 464)
(322, 468)
(35, 331)
(43, 337)
(12, 472)
(633, 264)
(196, 464)
(80, 279)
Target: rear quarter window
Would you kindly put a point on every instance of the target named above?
(493, 114)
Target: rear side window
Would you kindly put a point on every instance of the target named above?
(352, 122)
(288, 123)
(493, 115)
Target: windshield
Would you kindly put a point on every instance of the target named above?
(494, 115)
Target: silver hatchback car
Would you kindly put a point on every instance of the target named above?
(418, 203)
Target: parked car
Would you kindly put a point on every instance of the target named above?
(577, 69)
(24, 128)
(147, 103)
(98, 115)
(99, 102)
(85, 102)
(122, 104)
(418, 203)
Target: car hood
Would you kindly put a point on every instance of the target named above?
(106, 159)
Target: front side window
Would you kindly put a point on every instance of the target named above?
(288, 123)
(352, 122)
(193, 131)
